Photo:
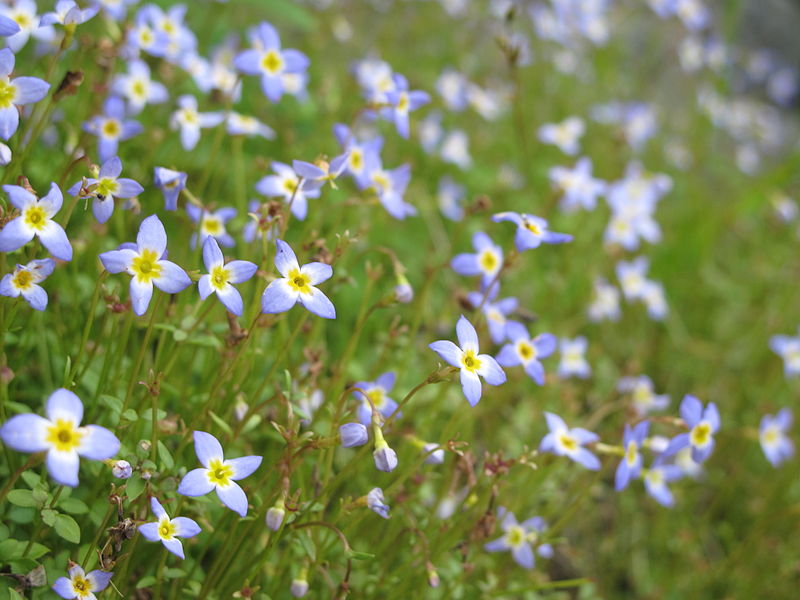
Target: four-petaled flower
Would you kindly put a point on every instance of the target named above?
(631, 464)
(112, 127)
(221, 275)
(297, 285)
(212, 224)
(656, 479)
(573, 359)
(218, 473)
(145, 262)
(376, 392)
(532, 231)
(702, 423)
(486, 261)
(171, 183)
(105, 188)
(24, 282)
(775, 443)
(467, 359)
(16, 92)
(526, 351)
(564, 441)
(61, 436)
(518, 538)
(36, 220)
(788, 348)
(190, 121)
(315, 175)
(81, 585)
(166, 530)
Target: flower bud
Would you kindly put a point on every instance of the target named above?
(240, 409)
(353, 434)
(434, 458)
(5, 154)
(275, 515)
(404, 293)
(122, 469)
(299, 588)
(385, 458)
(376, 504)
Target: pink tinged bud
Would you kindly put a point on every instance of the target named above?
(299, 588)
(122, 469)
(385, 458)
(275, 516)
(353, 434)
(433, 578)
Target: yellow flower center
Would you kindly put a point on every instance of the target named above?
(356, 160)
(145, 266)
(290, 185)
(81, 586)
(299, 282)
(64, 436)
(377, 397)
(532, 227)
(515, 536)
(212, 226)
(470, 361)
(219, 473)
(189, 116)
(23, 279)
(111, 128)
(701, 434)
(402, 102)
(770, 436)
(381, 180)
(488, 261)
(219, 277)
(655, 477)
(139, 89)
(631, 454)
(272, 62)
(166, 529)
(569, 443)
(22, 20)
(146, 36)
(526, 351)
(106, 187)
(35, 217)
(8, 92)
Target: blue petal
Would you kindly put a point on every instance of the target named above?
(25, 433)
(207, 448)
(240, 271)
(141, 293)
(317, 272)
(152, 235)
(98, 443)
(174, 545)
(173, 279)
(117, 261)
(231, 299)
(65, 405)
(691, 410)
(243, 466)
(466, 334)
(318, 303)
(212, 255)
(63, 587)
(54, 238)
(150, 531)
(36, 297)
(30, 89)
(63, 467)
(448, 351)
(471, 384)
(285, 259)
(186, 527)
(98, 580)
(157, 509)
(234, 498)
(15, 235)
(278, 297)
(9, 121)
(523, 555)
(195, 483)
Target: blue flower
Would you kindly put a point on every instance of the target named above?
(376, 503)
(353, 434)
(656, 479)
(212, 224)
(145, 262)
(138, 88)
(36, 220)
(402, 101)
(23, 13)
(61, 436)
(573, 358)
(389, 186)
(702, 423)
(67, 12)
(486, 261)
(518, 538)
(297, 285)
(286, 184)
(643, 394)
(221, 275)
(775, 443)
(495, 312)
(788, 348)
(167, 531)
(105, 188)
(218, 473)
(362, 154)
(377, 394)
(171, 183)
(449, 196)
(532, 231)
(261, 223)
(526, 351)
(631, 464)
(317, 175)
(268, 60)
(580, 189)
(80, 585)
(564, 441)
(111, 127)
(471, 364)
(16, 92)
(190, 121)
(24, 280)
(565, 135)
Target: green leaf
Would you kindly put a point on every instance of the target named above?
(40, 494)
(145, 582)
(14, 595)
(22, 498)
(112, 402)
(10, 549)
(174, 573)
(73, 506)
(49, 516)
(222, 424)
(165, 456)
(134, 487)
(37, 551)
(361, 555)
(130, 415)
(68, 529)
(31, 478)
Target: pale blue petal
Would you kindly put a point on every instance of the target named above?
(234, 498)
(63, 467)
(186, 527)
(278, 297)
(63, 587)
(98, 443)
(15, 235)
(54, 238)
(152, 235)
(318, 303)
(98, 580)
(523, 555)
(117, 261)
(471, 385)
(9, 121)
(691, 410)
(65, 405)
(141, 293)
(150, 531)
(25, 433)
(157, 509)
(207, 448)
(36, 297)
(173, 279)
(490, 370)
(285, 259)
(231, 299)
(587, 459)
(174, 545)
(467, 336)
(103, 209)
(241, 270)
(30, 89)
(195, 483)
(317, 272)
(212, 255)
(448, 351)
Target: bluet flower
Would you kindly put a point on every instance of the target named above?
(377, 395)
(166, 530)
(471, 364)
(788, 348)
(486, 261)
(775, 443)
(221, 275)
(23, 13)
(573, 358)
(138, 88)
(526, 351)
(643, 394)
(61, 436)
(212, 224)
(112, 127)
(605, 304)
(190, 121)
(656, 479)
(631, 464)
(532, 231)
(105, 188)
(16, 92)
(81, 585)
(565, 135)
(218, 473)
(703, 423)
(171, 183)
(520, 539)
(316, 175)
(286, 184)
(67, 12)
(24, 281)
(298, 284)
(495, 311)
(36, 220)
(145, 262)
(563, 441)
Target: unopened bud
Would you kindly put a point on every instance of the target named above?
(353, 434)
(275, 515)
(122, 469)
(436, 457)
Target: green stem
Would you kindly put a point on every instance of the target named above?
(140, 357)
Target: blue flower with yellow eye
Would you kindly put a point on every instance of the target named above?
(526, 351)
(656, 479)
(107, 186)
(219, 474)
(212, 224)
(61, 436)
(486, 261)
(563, 441)
(222, 275)
(631, 464)
(24, 281)
(703, 423)
(467, 359)
(35, 220)
(377, 395)
(166, 530)
(298, 284)
(532, 231)
(775, 443)
(112, 127)
(171, 183)
(522, 539)
(15, 93)
(81, 585)
(145, 262)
